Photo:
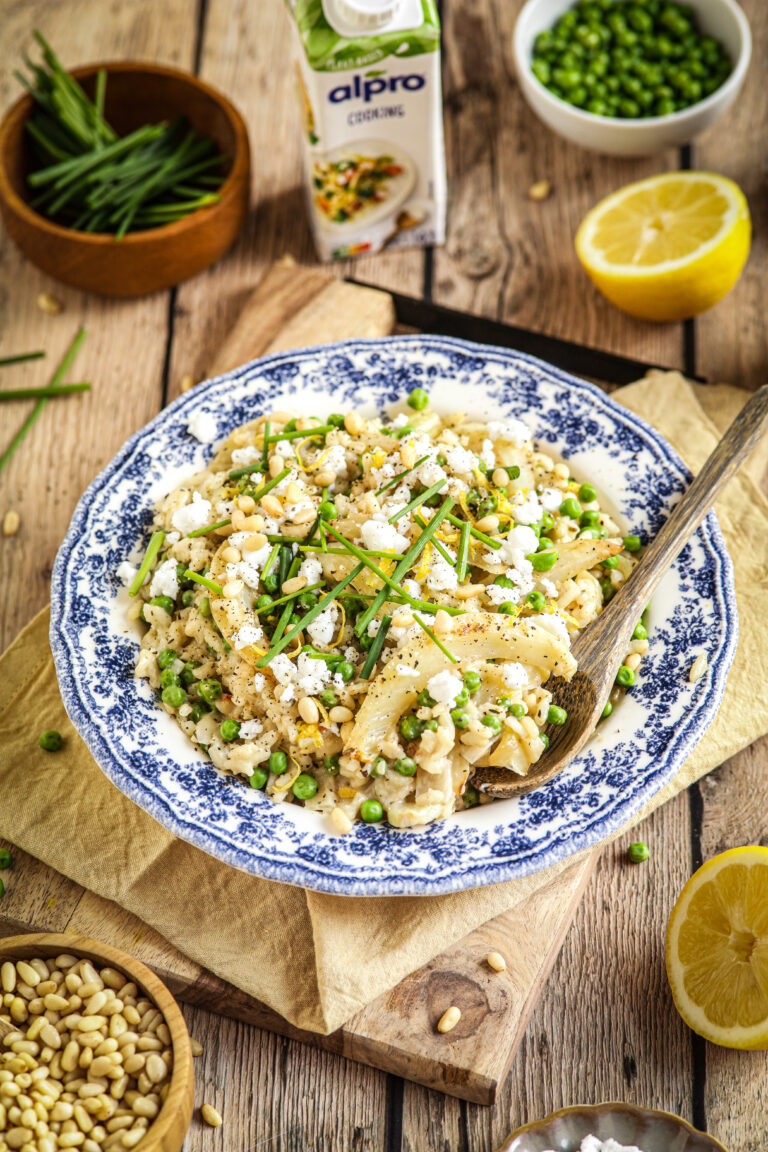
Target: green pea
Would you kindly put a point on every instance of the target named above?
(379, 767)
(345, 670)
(174, 695)
(6, 859)
(164, 602)
(371, 811)
(543, 561)
(492, 721)
(606, 711)
(258, 778)
(537, 601)
(168, 677)
(307, 600)
(331, 764)
(587, 493)
(188, 673)
(410, 727)
(541, 69)
(270, 581)
(508, 608)
(262, 602)
(50, 740)
(556, 715)
(471, 797)
(515, 709)
(460, 718)
(328, 510)
(278, 763)
(504, 582)
(598, 107)
(197, 711)
(608, 590)
(407, 766)
(424, 700)
(166, 657)
(640, 632)
(547, 522)
(544, 739)
(204, 607)
(430, 725)
(610, 562)
(632, 543)
(638, 852)
(472, 681)
(590, 519)
(629, 109)
(229, 730)
(418, 400)
(304, 786)
(336, 419)
(513, 471)
(328, 698)
(625, 677)
(187, 598)
(209, 690)
(462, 698)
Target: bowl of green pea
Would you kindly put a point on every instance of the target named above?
(631, 77)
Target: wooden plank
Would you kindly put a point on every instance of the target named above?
(507, 256)
(732, 341)
(123, 355)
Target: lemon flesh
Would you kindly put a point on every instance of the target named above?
(717, 949)
(669, 247)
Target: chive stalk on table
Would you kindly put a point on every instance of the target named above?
(42, 393)
(21, 358)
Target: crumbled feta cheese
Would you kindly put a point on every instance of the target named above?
(172, 538)
(335, 460)
(373, 627)
(286, 695)
(549, 587)
(165, 582)
(512, 431)
(247, 455)
(259, 680)
(429, 473)
(292, 478)
(192, 516)
(249, 729)
(445, 687)
(442, 577)
(283, 448)
(311, 570)
(413, 588)
(529, 512)
(311, 675)
(595, 1144)
(519, 539)
(461, 460)
(381, 536)
(203, 426)
(551, 499)
(126, 573)
(514, 674)
(498, 595)
(487, 455)
(406, 670)
(323, 627)
(400, 420)
(282, 668)
(248, 634)
(553, 623)
(249, 571)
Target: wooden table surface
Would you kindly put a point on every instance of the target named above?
(605, 1027)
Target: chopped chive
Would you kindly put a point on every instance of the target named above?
(273, 483)
(211, 585)
(236, 473)
(406, 563)
(435, 543)
(154, 546)
(210, 528)
(21, 358)
(463, 552)
(285, 599)
(38, 393)
(270, 561)
(313, 653)
(488, 540)
(375, 649)
(310, 616)
(310, 547)
(265, 447)
(363, 556)
(433, 637)
(417, 501)
(396, 479)
(305, 433)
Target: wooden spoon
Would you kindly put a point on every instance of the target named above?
(600, 649)
(6, 1027)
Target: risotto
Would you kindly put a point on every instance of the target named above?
(352, 614)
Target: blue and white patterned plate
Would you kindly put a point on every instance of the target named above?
(640, 747)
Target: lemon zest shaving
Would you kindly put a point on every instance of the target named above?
(309, 732)
(315, 463)
(293, 779)
(337, 641)
(347, 793)
(425, 564)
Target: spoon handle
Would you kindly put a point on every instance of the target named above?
(742, 436)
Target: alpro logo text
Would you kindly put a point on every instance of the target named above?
(375, 84)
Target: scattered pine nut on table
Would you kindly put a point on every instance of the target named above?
(211, 1116)
(449, 1019)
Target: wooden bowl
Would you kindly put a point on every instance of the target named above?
(141, 262)
(167, 1131)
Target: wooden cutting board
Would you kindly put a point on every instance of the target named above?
(294, 307)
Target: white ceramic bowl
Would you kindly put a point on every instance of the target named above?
(722, 19)
(627, 1125)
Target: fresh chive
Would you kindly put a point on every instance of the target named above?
(435, 542)
(434, 638)
(270, 561)
(273, 483)
(292, 596)
(211, 585)
(237, 473)
(154, 546)
(488, 540)
(406, 563)
(210, 528)
(265, 447)
(396, 479)
(417, 501)
(310, 547)
(310, 616)
(313, 653)
(303, 433)
(21, 358)
(39, 393)
(56, 379)
(375, 650)
(463, 552)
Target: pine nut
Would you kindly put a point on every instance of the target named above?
(275, 465)
(49, 304)
(272, 505)
(237, 517)
(324, 478)
(7, 976)
(353, 423)
(408, 455)
(294, 585)
(308, 710)
(496, 961)
(56, 1003)
(500, 478)
(698, 668)
(449, 1019)
(443, 622)
(488, 524)
(148, 1043)
(304, 516)
(233, 588)
(211, 1116)
(632, 661)
(156, 1068)
(230, 555)
(341, 822)
(562, 471)
(11, 522)
(340, 714)
(540, 190)
(255, 543)
(134, 1064)
(146, 1107)
(468, 591)
(196, 1046)
(402, 620)
(27, 973)
(50, 1036)
(293, 493)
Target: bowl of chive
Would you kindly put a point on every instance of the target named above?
(122, 178)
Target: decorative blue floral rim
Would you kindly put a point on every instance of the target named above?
(636, 751)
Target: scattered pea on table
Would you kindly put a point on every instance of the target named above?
(51, 740)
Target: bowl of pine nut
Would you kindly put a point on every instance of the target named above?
(94, 1052)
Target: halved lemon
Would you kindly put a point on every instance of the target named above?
(669, 247)
(717, 949)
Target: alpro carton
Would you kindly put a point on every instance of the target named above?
(368, 74)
